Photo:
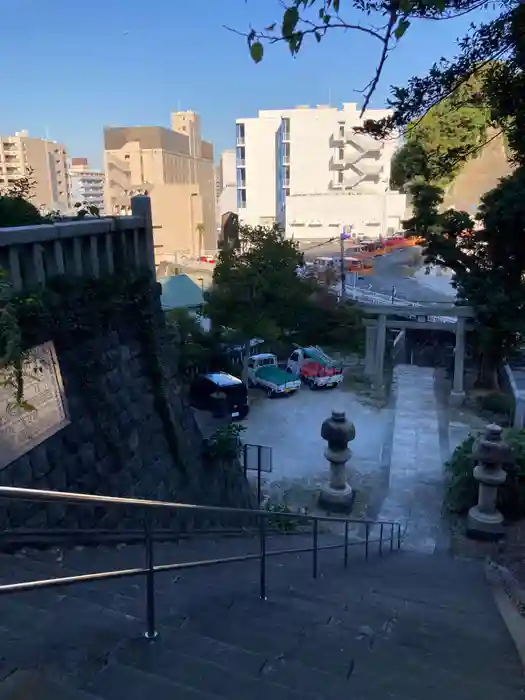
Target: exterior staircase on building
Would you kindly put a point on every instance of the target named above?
(403, 625)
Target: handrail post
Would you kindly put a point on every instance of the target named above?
(381, 540)
(346, 544)
(367, 538)
(259, 450)
(316, 539)
(262, 538)
(399, 536)
(151, 632)
(392, 537)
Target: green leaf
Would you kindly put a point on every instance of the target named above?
(257, 51)
(271, 28)
(335, 5)
(290, 19)
(318, 36)
(401, 28)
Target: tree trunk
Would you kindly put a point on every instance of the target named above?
(488, 372)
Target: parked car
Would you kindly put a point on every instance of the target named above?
(315, 367)
(221, 393)
(264, 372)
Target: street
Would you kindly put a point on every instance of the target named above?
(396, 269)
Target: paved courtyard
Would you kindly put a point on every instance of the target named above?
(291, 426)
(398, 453)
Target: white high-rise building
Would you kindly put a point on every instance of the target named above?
(87, 184)
(308, 169)
(226, 184)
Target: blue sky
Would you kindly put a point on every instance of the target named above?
(71, 68)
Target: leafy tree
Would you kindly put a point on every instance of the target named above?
(303, 21)
(256, 292)
(255, 286)
(437, 145)
(15, 207)
(488, 262)
(15, 211)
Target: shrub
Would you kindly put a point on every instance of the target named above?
(225, 443)
(462, 488)
(279, 521)
(497, 402)
(15, 211)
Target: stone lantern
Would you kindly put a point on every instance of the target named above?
(490, 452)
(338, 432)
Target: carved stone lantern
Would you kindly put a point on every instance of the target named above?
(337, 495)
(490, 452)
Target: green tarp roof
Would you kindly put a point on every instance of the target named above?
(180, 292)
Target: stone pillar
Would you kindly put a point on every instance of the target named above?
(490, 452)
(380, 351)
(370, 357)
(338, 432)
(457, 395)
(141, 206)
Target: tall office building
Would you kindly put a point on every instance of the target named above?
(44, 161)
(87, 184)
(227, 185)
(310, 170)
(175, 167)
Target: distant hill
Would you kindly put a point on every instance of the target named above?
(479, 175)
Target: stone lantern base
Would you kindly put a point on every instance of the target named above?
(337, 500)
(485, 526)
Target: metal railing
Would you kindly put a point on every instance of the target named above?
(150, 569)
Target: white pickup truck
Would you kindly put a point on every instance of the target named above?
(264, 372)
(315, 367)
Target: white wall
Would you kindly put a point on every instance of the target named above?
(370, 214)
(313, 149)
(260, 168)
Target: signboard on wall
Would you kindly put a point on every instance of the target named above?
(46, 413)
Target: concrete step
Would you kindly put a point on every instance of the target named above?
(29, 685)
(119, 682)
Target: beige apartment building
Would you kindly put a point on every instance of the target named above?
(45, 161)
(175, 167)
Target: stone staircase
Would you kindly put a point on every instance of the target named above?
(407, 626)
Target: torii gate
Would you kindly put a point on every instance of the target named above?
(376, 335)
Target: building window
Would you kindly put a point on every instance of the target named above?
(241, 156)
(286, 153)
(340, 177)
(241, 199)
(341, 154)
(240, 134)
(286, 176)
(286, 128)
(126, 157)
(341, 130)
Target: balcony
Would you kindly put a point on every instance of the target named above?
(364, 142)
(338, 137)
(369, 168)
(337, 164)
(241, 141)
(286, 160)
(241, 162)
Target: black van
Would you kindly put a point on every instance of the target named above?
(221, 393)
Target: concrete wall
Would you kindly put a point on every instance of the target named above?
(131, 431)
(321, 216)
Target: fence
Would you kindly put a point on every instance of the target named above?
(32, 255)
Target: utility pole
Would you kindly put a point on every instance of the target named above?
(343, 237)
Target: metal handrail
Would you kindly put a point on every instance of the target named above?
(23, 494)
(149, 571)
